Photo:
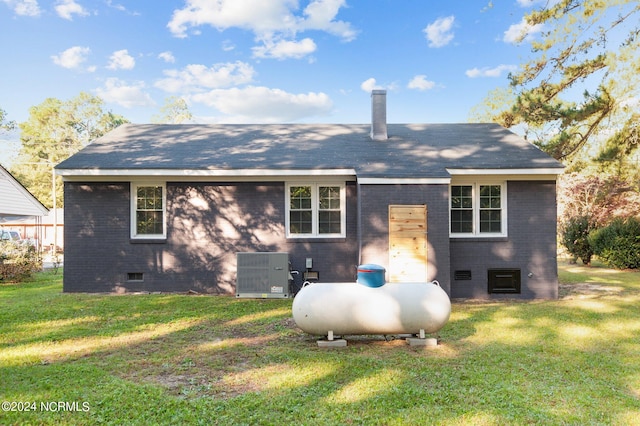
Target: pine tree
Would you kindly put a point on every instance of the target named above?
(578, 97)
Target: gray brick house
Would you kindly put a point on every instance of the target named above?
(167, 207)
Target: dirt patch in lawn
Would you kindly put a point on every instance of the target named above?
(224, 361)
(582, 290)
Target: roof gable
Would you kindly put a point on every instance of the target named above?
(16, 199)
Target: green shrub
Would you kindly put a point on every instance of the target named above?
(618, 244)
(18, 261)
(575, 237)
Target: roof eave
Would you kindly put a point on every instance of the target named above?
(502, 171)
(100, 174)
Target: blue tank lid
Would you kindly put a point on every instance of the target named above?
(370, 267)
(371, 275)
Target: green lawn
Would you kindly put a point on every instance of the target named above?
(180, 359)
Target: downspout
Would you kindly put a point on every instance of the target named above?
(359, 223)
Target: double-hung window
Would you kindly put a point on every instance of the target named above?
(315, 210)
(148, 205)
(478, 209)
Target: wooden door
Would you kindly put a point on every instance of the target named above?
(407, 243)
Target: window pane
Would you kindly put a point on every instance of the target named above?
(329, 197)
(152, 198)
(329, 222)
(462, 190)
(461, 221)
(141, 198)
(149, 210)
(148, 222)
(462, 209)
(300, 222)
(300, 197)
(315, 210)
(490, 221)
(149, 198)
(490, 213)
(456, 202)
(490, 197)
(461, 197)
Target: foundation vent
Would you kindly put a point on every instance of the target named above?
(462, 275)
(504, 280)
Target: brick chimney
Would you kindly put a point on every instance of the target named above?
(379, 115)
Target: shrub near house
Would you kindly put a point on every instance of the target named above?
(18, 260)
(598, 216)
(618, 244)
(575, 238)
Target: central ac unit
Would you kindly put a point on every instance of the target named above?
(262, 275)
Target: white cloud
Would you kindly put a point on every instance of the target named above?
(197, 78)
(490, 72)
(228, 45)
(121, 8)
(256, 104)
(320, 15)
(116, 6)
(72, 58)
(261, 17)
(285, 49)
(121, 60)
(370, 84)
(439, 32)
(420, 82)
(126, 95)
(257, 16)
(522, 31)
(167, 57)
(544, 3)
(274, 23)
(24, 7)
(67, 8)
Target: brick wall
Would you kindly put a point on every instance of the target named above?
(96, 232)
(375, 219)
(336, 260)
(530, 247)
(206, 225)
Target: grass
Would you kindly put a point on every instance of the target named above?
(184, 359)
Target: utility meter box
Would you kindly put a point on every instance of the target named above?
(262, 275)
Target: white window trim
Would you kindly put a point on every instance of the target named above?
(315, 207)
(476, 209)
(134, 191)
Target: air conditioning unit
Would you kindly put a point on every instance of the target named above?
(262, 275)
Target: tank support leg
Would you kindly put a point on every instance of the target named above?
(331, 342)
(430, 342)
(422, 336)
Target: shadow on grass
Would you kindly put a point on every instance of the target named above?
(218, 360)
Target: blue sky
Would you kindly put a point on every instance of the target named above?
(238, 61)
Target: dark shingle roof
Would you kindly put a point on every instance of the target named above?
(412, 150)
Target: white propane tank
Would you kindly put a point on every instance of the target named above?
(352, 308)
